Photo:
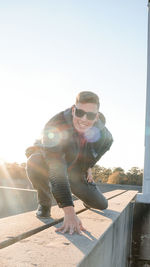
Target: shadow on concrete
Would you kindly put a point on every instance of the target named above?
(87, 240)
(107, 213)
(82, 242)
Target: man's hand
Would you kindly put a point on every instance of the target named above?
(90, 176)
(71, 222)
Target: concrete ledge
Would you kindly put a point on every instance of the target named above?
(112, 248)
(106, 242)
(17, 227)
(143, 198)
(16, 200)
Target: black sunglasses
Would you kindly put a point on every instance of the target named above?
(80, 113)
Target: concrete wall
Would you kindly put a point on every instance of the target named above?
(140, 254)
(113, 249)
(14, 201)
(18, 200)
(16, 183)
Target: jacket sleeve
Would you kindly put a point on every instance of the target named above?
(54, 156)
(102, 146)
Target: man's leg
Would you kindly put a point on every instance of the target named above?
(89, 193)
(37, 172)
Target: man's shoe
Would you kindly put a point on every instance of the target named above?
(43, 211)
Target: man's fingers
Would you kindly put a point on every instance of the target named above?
(82, 228)
(72, 230)
(58, 230)
(64, 231)
(89, 178)
(78, 231)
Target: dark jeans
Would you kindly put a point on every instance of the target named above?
(89, 193)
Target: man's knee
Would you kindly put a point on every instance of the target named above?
(105, 205)
(34, 159)
(99, 205)
(102, 203)
(36, 164)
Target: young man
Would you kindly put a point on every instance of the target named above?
(72, 142)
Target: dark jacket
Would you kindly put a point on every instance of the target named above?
(61, 147)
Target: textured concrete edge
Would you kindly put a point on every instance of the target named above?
(29, 233)
(14, 201)
(95, 258)
(17, 188)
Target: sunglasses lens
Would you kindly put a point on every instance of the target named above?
(79, 113)
(91, 116)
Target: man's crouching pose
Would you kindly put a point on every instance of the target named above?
(72, 142)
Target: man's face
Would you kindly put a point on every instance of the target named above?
(83, 123)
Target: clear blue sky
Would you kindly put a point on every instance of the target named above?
(51, 50)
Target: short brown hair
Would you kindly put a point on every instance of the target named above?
(87, 97)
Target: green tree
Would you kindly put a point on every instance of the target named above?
(101, 174)
(135, 176)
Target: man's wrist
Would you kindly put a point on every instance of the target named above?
(69, 210)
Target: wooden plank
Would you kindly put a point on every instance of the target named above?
(49, 248)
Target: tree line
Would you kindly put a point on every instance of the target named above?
(117, 175)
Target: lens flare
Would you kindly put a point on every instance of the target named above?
(53, 137)
(93, 134)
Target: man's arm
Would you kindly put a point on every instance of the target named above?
(62, 193)
(59, 181)
(53, 153)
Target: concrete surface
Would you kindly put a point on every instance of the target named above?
(16, 200)
(20, 226)
(105, 243)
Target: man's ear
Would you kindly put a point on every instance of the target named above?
(102, 117)
(97, 116)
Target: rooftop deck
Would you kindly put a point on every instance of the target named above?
(28, 241)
